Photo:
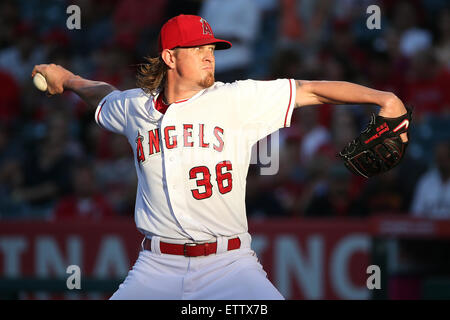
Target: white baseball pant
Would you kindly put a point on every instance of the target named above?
(226, 275)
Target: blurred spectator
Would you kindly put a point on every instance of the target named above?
(11, 154)
(314, 135)
(239, 22)
(315, 181)
(45, 177)
(288, 183)
(56, 45)
(432, 194)
(303, 24)
(46, 15)
(19, 59)
(403, 14)
(261, 202)
(335, 199)
(9, 18)
(133, 17)
(94, 139)
(383, 76)
(344, 127)
(84, 202)
(46, 165)
(383, 194)
(290, 29)
(287, 63)
(97, 28)
(59, 132)
(117, 176)
(407, 20)
(345, 51)
(265, 40)
(332, 69)
(414, 40)
(443, 40)
(390, 44)
(9, 99)
(112, 63)
(426, 86)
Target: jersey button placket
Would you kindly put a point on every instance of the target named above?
(174, 169)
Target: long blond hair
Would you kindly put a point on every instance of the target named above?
(152, 75)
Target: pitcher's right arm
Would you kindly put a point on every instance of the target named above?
(60, 79)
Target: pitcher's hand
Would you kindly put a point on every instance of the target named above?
(55, 75)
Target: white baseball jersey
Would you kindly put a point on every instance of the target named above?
(192, 161)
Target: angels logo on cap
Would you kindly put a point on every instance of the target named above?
(188, 31)
(206, 27)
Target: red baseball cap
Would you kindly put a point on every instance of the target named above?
(188, 31)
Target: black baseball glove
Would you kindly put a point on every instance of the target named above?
(379, 147)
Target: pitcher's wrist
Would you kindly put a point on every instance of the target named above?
(68, 83)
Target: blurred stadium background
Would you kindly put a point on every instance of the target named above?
(67, 187)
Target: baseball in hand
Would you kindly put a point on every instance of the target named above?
(40, 82)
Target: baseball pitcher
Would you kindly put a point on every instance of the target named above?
(192, 138)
